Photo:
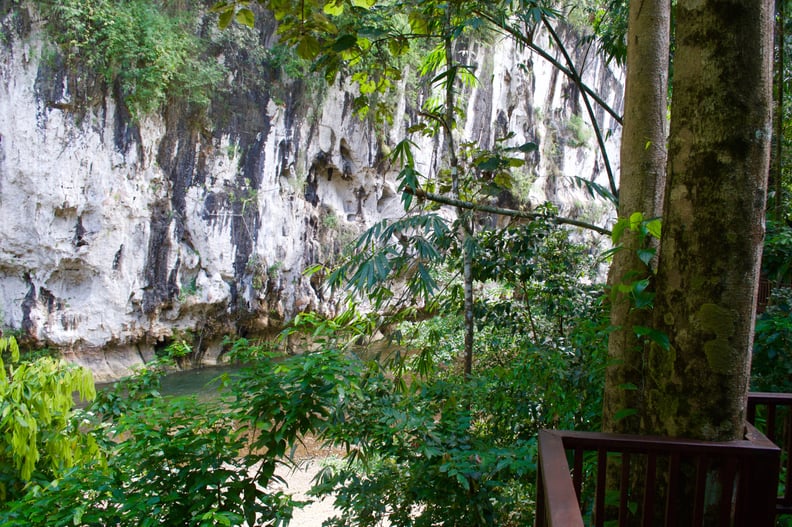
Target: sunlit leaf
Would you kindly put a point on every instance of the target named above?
(334, 8)
(245, 17)
(636, 218)
(654, 227)
(225, 18)
(618, 230)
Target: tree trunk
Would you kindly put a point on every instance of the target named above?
(777, 160)
(713, 219)
(642, 178)
(464, 217)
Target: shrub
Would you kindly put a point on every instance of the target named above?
(771, 366)
(151, 52)
(185, 462)
(40, 437)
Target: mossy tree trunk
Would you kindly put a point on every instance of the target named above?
(713, 217)
(642, 178)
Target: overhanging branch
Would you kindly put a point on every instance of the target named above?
(438, 198)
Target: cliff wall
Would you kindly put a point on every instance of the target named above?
(119, 235)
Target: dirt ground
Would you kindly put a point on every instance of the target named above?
(299, 481)
(309, 455)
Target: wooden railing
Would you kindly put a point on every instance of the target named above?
(740, 477)
(771, 413)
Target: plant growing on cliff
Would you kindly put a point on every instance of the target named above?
(149, 52)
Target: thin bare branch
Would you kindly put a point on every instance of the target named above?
(592, 117)
(461, 204)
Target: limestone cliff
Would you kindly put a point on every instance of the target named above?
(117, 235)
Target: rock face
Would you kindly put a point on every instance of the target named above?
(117, 237)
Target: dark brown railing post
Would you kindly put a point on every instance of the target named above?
(559, 503)
(778, 406)
(760, 478)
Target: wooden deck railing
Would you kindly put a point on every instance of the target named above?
(742, 475)
(771, 413)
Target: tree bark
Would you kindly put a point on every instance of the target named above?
(713, 219)
(464, 218)
(776, 175)
(642, 179)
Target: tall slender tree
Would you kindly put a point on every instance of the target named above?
(642, 178)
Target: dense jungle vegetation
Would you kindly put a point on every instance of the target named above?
(438, 427)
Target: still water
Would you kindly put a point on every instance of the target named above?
(200, 381)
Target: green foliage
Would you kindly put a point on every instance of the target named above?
(39, 436)
(185, 462)
(280, 402)
(610, 27)
(430, 446)
(416, 462)
(579, 132)
(441, 449)
(637, 283)
(777, 253)
(150, 51)
(771, 364)
(390, 254)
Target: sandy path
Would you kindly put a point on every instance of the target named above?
(299, 482)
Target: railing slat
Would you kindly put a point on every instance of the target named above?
(727, 481)
(649, 490)
(672, 500)
(699, 487)
(599, 501)
(624, 487)
(787, 448)
(577, 472)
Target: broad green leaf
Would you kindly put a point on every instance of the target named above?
(504, 181)
(489, 164)
(344, 42)
(334, 8)
(225, 18)
(656, 336)
(219, 7)
(645, 255)
(618, 230)
(528, 147)
(308, 48)
(624, 412)
(364, 3)
(398, 46)
(654, 227)
(245, 17)
(636, 218)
